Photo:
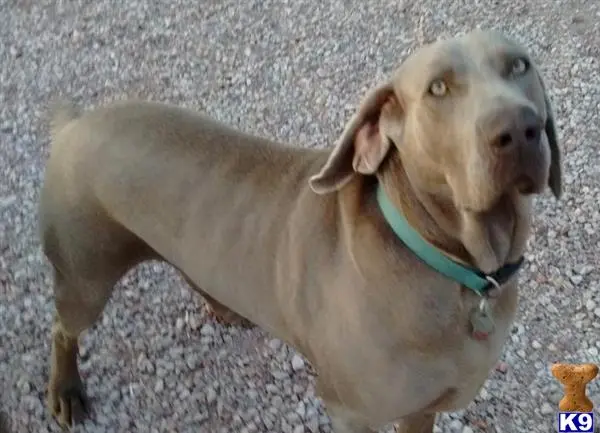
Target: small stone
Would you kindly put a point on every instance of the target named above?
(179, 323)
(160, 385)
(279, 375)
(293, 418)
(456, 426)
(484, 394)
(277, 402)
(23, 385)
(275, 344)
(547, 409)
(297, 363)
(590, 305)
(207, 330)
(576, 279)
(268, 422)
(467, 429)
(597, 312)
(324, 420)
(192, 361)
(211, 395)
(195, 322)
(299, 429)
(298, 389)
(536, 345)
(313, 424)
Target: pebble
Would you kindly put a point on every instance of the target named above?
(297, 362)
(211, 395)
(456, 426)
(547, 409)
(301, 410)
(279, 375)
(207, 330)
(313, 424)
(502, 367)
(194, 322)
(484, 394)
(159, 386)
(275, 344)
(277, 402)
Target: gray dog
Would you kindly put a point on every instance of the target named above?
(389, 260)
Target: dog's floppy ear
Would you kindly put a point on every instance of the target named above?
(555, 178)
(361, 148)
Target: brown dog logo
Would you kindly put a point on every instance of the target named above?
(574, 378)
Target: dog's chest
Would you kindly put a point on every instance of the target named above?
(444, 377)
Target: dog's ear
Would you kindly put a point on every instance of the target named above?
(555, 178)
(361, 148)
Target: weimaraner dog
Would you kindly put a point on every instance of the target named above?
(389, 261)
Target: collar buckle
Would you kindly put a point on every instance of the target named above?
(497, 279)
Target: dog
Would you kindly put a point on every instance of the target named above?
(390, 260)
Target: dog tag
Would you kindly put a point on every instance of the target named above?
(481, 320)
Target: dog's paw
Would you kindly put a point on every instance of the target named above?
(68, 404)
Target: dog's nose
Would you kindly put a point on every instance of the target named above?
(513, 127)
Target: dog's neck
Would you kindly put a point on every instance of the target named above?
(486, 241)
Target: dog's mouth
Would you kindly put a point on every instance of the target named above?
(525, 185)
(532, 180)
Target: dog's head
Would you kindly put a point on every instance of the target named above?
(468, 116)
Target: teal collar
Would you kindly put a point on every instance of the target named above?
(469, 277)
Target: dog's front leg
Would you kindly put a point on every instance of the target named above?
(342, 421)
(416, 424)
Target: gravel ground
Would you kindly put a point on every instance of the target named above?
(293, 70)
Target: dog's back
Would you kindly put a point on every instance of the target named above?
(133, 181)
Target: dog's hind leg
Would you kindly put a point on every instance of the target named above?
(89, 254)
(66, 396)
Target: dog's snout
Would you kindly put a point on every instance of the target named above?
(513, 127)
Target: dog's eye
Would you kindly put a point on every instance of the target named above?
(438, 88)
(519, 66)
